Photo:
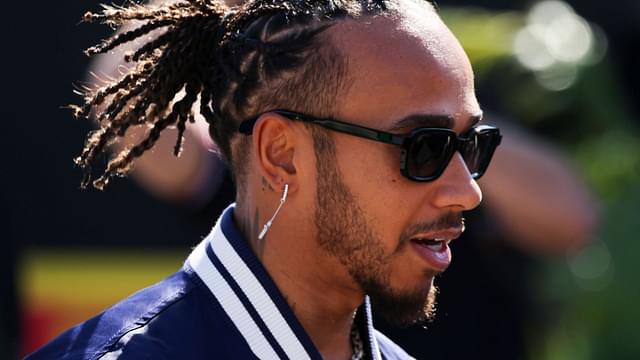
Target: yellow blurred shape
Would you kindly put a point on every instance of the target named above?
(60, 287)
(76, 276)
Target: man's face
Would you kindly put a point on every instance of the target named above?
(368, 216)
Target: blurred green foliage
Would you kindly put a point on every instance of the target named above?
(486, 36)
(590, 300)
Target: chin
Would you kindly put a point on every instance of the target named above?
(402, 308)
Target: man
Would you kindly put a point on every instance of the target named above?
(351, 129)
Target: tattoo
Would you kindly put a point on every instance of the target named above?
(256, 244)
(265, 183)
(255, 226)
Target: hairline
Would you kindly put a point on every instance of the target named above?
(327, 50)
(328, 44)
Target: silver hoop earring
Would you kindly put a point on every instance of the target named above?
(266, 226)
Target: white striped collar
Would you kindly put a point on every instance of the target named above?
(242, 286)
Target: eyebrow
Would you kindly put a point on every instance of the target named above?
(433, 121)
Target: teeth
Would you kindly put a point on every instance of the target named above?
(437, 244)
(426, 241)
(432, 242)
(429, 241)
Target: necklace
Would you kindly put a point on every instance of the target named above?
(356, 343)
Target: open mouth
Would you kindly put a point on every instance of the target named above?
(432, 244)
(434, 249)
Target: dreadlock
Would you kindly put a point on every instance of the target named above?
(237, 61)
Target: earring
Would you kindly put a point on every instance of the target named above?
(266, 226)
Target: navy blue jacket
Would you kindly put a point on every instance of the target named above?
(221, 305)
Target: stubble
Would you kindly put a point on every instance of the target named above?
(343, 231)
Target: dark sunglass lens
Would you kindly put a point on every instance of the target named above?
(428, 152)
(472, 153)
(478, 150)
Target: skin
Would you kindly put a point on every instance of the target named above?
(535, 231)
(427, 74)
(519, 174)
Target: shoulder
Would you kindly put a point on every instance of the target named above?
(149, 324)
(389, 349)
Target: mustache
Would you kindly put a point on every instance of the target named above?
(447, 221)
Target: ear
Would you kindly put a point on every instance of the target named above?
(274, 148)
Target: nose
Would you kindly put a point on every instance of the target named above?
(456, 188)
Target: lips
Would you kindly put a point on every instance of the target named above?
(433, 247)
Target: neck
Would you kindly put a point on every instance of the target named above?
(316, 286)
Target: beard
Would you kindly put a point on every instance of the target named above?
(343, 231)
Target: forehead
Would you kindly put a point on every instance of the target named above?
(408, 65)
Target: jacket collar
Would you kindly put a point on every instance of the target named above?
(244, 289)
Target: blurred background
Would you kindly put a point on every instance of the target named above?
(564, 72)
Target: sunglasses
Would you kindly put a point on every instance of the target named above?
(426, 152)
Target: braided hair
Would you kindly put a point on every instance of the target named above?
(237, 61)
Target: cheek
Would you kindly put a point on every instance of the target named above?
(372, 173)
(368, 167)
